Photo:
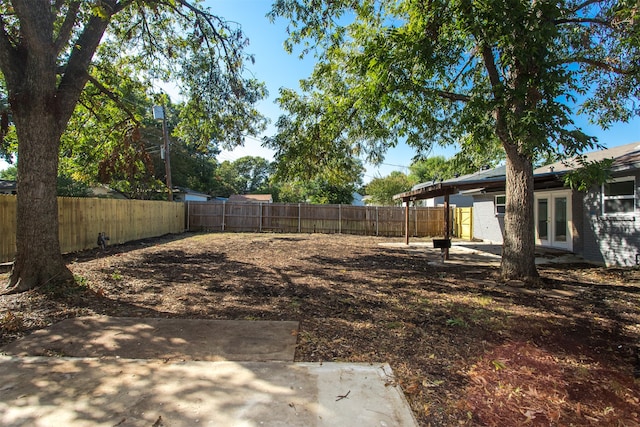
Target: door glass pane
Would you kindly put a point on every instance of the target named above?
(560, 206)
(543, 209)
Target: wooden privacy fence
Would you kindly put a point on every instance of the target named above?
(305, 218)
(81, 219)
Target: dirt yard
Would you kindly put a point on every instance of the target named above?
(466, 349)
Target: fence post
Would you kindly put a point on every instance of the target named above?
(188, 216)
(340, 219)
(405, 223)
(377, 222)
(260, 218)
(415, 217)
(299, 218)
(224, 210)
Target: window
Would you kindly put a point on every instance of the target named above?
(501, 205)
(619, 196)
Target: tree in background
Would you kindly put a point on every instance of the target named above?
(317, 191)
(8, 138)
(69, 187)
(463, 72)
(432, 169)
(10, 173)
(323, 192)
(289, 192)
(382, 190)
(46, 58)
(253, 174)
(190, 168)
(246, 175)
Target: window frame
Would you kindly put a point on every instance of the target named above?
(605, 198)
(496, 205)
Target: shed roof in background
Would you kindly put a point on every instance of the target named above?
(251, 198)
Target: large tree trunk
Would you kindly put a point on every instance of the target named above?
(38, 258)
(518, 252)
(39, 125)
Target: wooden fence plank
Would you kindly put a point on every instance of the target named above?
(7, 227)
(81, 219)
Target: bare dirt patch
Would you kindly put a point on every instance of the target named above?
(466, 349)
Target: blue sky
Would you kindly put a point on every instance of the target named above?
(278, 69)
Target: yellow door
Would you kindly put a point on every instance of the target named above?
(464, 223)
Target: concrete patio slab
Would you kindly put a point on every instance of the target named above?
(484, 254)
(165, 339)
(45, 391)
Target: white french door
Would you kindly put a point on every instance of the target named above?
(553, 219)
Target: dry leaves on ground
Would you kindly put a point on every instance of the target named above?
(465, 349)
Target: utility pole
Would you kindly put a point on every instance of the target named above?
(159, 114)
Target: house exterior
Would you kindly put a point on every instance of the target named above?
(601, 224)
(357, 199)
(8, 187)
(105, 192)
(183, 194)
(251, 198)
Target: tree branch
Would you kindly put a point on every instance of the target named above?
(67, 26)
(75, 74)
(58, 4)
(222, 40)
(119, 7)
(583, 5)
(496, 83)
(490, 66)
(452, 96)
(113, 97)
(8, 53)
(600, 22)
(601, 65)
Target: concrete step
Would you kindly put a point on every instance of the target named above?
(79, 392)
(165, 339)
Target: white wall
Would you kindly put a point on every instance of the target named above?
(194, 198)
(487, 225)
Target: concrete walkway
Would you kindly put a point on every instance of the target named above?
(484, 254)
(172, 388)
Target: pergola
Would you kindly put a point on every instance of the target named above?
(486, 180)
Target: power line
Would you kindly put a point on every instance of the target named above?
(396, 166)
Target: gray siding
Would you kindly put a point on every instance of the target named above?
(486, 224)
(610, 239)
